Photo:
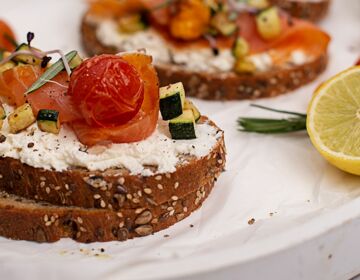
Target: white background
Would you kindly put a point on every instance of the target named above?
(313, 233)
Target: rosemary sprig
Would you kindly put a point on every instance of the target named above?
(271, 126)
(50, 73)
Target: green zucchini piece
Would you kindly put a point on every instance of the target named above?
(268, 23)
(75, 62)
(132, 23)
(26, 58)
(183, 127)
(223, 24)
(240, 48)
(21, 118)
(190, 106)
(244, 65)
(172, 99)
(48, 121)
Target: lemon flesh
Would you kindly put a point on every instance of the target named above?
(333, 121)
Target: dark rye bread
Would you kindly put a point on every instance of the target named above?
(22, 219)
(222, 85)
(309, 10)
(114, 188)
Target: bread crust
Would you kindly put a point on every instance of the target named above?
(309, 10)
(113, 189)
(22, 219)
(222, 85)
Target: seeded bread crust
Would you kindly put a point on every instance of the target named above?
(22, 219)
(112, 189)
(222, 85)
(309, 10)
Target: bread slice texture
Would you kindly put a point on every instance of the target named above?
(309, 10)
(113, 189)
(221, 85)
(23, 219)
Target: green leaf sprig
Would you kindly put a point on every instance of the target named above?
(272, 126)
(50, 73)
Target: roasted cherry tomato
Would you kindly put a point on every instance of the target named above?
(107, 90)
(143, 124)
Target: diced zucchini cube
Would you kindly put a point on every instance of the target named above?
(172, 98)
(183, 127)
(240, 48)
(75, 62)
(268, 23)
(27, 58)
(132, 23)
(49, 121)
(21, 118)
(244, 65)
(190, 106)
(220, 21)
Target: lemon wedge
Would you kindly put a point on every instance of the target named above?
(333, 120)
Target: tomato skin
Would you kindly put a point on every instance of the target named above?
(145, 121)
(107, 90)
(6, 36)
(357, 63)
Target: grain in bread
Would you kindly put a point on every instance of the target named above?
(22, 219)
(114, 188)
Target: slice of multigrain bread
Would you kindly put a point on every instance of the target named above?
(23, 219)
(115, 188)
(306, 9)
(221, 85)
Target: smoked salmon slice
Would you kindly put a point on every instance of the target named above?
(296, 34)
(15, 82)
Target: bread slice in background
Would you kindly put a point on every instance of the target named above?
(221, 85)
(309, 10)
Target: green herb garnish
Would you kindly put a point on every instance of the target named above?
(271, 126)
(50, 73)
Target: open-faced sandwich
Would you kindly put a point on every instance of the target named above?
(219, 49)
(85, 155)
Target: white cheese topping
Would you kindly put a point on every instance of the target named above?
(60, 152)
(195, 59)
(298, 57)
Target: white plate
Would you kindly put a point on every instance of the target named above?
(315, 224)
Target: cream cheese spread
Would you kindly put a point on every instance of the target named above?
(61, 152)
(194, 59)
